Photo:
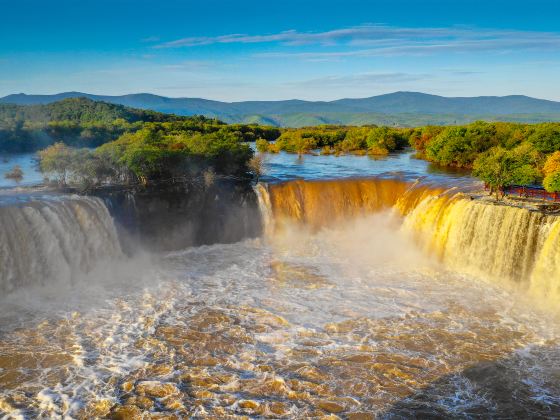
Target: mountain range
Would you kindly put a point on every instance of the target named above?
(399, 108)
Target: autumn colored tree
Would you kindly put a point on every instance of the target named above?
(552, 163)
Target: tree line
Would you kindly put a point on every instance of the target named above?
(499, 153)
(156, 152)
(332, 139)
(95, 142)
(81, 122)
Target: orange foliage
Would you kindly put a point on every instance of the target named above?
(552, 164)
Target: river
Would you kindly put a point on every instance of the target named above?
(377, 297)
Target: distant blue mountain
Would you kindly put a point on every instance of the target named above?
(418, 106)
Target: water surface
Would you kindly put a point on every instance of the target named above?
(285, 166)
(350, 319)
(27, 162)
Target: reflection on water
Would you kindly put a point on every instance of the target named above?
(352, 321)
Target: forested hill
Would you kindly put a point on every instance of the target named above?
(399, 108)
(82, 122)
(79, 122)
(78, 110)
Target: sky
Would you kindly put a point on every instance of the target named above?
(280, 49)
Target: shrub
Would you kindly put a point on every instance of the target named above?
(16, 173)
(262, 145)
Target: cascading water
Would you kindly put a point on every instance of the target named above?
(54, 240)
(338, 312)
(502, 242)
(317, 204)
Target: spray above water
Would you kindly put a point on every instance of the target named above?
(350, 305)
(511, 245)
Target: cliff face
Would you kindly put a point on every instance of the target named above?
(175, 216)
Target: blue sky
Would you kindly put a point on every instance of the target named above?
(245, 49)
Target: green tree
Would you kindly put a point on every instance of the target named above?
(57, 160)
(382, 140)
(546, 137)
(355, 139)
(460, 146)
(262, 145)
(499, 167)
(552, 182)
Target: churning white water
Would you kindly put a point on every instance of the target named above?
(353, 320)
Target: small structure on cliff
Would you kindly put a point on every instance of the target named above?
(532, 192)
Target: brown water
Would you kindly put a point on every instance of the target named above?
(355, 304)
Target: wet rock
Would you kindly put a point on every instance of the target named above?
(158, 370)
(248, 404)
(311, 373)
(180, 215)
(99, 408)
(360, 358)
(205, 361)
(202, 394)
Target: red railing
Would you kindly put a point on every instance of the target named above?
(532, 192)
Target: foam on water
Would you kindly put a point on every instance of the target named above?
(353, 320)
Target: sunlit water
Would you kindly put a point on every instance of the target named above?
(351, 321)
(285, 166)
(28, 164)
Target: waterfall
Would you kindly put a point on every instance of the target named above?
(54, 240)
(496, 241)
(265, 207)
(318, 204)
(500, 241)
(545, 279)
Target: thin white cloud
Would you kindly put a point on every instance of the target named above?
(415, 48)
(372, 40)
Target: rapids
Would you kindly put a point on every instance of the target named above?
(363, 298)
